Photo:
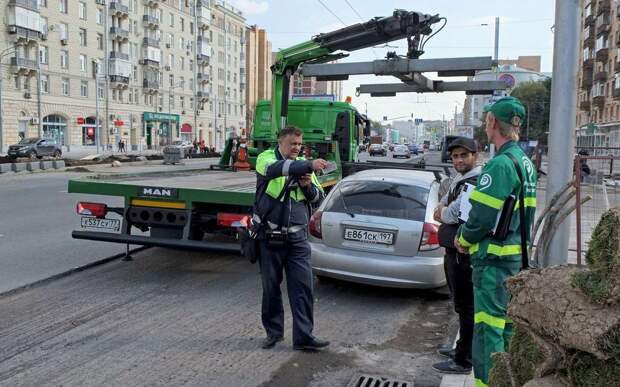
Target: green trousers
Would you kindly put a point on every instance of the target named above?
(492, 332)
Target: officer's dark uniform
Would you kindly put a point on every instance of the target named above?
(272, 173)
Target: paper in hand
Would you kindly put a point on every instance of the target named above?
(331, 167)
(465, 205)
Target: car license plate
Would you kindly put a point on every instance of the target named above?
(108, 224)
(365, 236)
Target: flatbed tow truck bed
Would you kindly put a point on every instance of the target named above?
(177, 208)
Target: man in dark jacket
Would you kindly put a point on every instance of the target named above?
(286, 189)
(457, 265)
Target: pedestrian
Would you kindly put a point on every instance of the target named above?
(202, 146)
(286, 188)
(496, 243)
(195, 143)
(464, 153)
(120, 145)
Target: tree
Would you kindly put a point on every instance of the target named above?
(536, 97)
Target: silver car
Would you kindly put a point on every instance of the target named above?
(401, 151)
(375, 227)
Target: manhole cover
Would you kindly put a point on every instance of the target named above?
(365, 380)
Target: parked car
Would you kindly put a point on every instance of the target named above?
(35, 147)
(377, 149)
(376, 227)
(186, 146)
(414, 149)
(401, 151)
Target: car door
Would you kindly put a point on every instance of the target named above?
(40, 147)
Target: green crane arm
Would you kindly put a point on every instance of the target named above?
(402, 24)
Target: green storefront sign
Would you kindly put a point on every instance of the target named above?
(161, 117)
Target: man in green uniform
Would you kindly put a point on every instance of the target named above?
(495, 260)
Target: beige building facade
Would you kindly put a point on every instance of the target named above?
(598, 96)
(258, 70)
(153, 71)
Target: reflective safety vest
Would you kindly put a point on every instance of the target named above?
(276, 185)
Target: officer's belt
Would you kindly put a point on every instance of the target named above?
(290, 230)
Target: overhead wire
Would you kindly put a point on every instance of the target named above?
(362, 20)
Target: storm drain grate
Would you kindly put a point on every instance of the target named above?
(364, 380)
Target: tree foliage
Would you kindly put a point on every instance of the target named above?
(536, 97)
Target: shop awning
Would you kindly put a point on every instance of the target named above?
(186, 128)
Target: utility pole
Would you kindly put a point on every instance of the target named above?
(562, 117)
(39, 125)
(106, 36)
(496, 59)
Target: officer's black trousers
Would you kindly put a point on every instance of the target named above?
(458, 273)
(294, 260)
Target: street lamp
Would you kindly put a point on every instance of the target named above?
(170, 88)
(4, 53)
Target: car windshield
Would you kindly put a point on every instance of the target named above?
(177, 143)
(28, 141)
(380, 198)
(400, 148)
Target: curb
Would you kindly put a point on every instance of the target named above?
(452, 380)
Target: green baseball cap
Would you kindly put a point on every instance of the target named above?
(508, 109)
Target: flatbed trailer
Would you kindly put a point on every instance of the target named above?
(177, 208)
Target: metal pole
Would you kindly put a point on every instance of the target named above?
(496, 59)
(106, 35)
(97, 138)
(1, 116)
(577, 166)
(39, 89)
(562, 117)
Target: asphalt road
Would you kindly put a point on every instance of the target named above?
(173, 318)
(38, 216)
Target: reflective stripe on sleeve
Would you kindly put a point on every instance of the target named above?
(529, 202)
(492, 321)
(487, 200)
(463, 242)
(503, 250)
(286, 166)
(479, 383)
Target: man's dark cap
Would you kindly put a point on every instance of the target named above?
(463, 142)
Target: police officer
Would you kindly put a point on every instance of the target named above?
(463, 152)
(286, 189)
(493, 260)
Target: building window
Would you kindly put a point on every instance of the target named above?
(45, 83)
(191, 65)
(83, 37)
(82, 10)
(171, 80)
(83, 62)
(100, 92)
(182, 63)
(64, 59)
(182, 21)
(64, 31)
(99, 16)
(100, 41)
(84, 89)
(43, 55)
(62, 6)
(42, 3)
(182, 102)
(65, 86)
(171, 19)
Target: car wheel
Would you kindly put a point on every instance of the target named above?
(57, 154)
(33, 155)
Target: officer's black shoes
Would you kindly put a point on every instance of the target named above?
(451, 367)
(312, 345)
(271, 341)
(447, 352)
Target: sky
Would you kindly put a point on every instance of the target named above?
(525, 29)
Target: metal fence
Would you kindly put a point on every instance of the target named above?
(597, 175)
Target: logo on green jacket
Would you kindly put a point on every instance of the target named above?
(529, 168)
(485, 182)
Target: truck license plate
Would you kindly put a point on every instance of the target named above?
(108, 224)
(365, 236)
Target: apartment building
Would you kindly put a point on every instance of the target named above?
(145, 68)
(309, 87)
(258, 69)
(598, 96)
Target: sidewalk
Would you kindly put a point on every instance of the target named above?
(80, 154)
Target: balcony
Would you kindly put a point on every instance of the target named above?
(151, 85)
(599, 101)
(588, 63)
(24, 35)
(589, 21)
(149, 62)
(119, 55)
(150, 42)
(152, 3)
(28, 4)
(617, 66)
(602, 23)
(203, 14)
(601, 76)
(119, 33)
(602, 54)
(589, 41)
(203, 78)
(616, 94)
(203, 96)
(118, 9)
(603, 6)
(119, 81)
(23, 65)
(203, 59)
(584, 105)
(151, 21)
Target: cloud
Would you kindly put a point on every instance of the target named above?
(251, 7)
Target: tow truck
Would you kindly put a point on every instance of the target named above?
(191, 209)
